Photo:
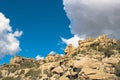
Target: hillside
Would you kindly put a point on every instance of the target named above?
(94, 59)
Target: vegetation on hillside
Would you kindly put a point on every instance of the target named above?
(117, 69)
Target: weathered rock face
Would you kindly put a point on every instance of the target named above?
(18, 60)
(93, 59)
(69, 49)
(53, 57)
(102, 41)
(95, 69)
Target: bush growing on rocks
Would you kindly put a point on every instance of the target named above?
(49, 74)
(27, 64)
(77, 79)
(8, 78)
(22, 71)
(12, 69)
(118, 45)
(117, 69)
(74, 54)
(108, 52)
(0, 74)
(18, 78)
(33, 73)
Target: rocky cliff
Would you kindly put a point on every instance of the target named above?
(94, 59)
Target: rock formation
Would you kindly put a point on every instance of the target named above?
(94, 59)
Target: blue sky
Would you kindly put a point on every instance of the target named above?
(42, 23)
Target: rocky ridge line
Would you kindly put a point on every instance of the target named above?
(94, 59)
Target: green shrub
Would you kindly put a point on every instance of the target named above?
(18, 78)
(78, 51)
(94, 48)
(22, 71)
(12, 69)
(8, 78)
(108, 52)
(37, 64)
(49, 74)
(82, 51)
(117, 69)
(0, 74)
(118, 45)
(74, 54)
(94, 45)
(118, 51)
(27, 64)
(33, 73)
(100, 49)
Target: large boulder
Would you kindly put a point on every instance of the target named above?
(64, 78)
(58, 70)
(101, 76)
(89, 71)
(110, 60)
(48, 66)
(87, 62)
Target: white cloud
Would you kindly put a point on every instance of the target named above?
(18, 33)
(94, 17)
(61, 54)
(38, 57)
(9, 44)
(52, 52)
(74, 40)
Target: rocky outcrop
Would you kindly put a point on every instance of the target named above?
(93, 59)
(69, 49)
(17, 60)
(102, 41)
(52, 57)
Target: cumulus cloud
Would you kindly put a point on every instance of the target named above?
(74, 40)
(52, 52)
(61, 54)
(38, 57)
(94, 17)
(9, 44)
